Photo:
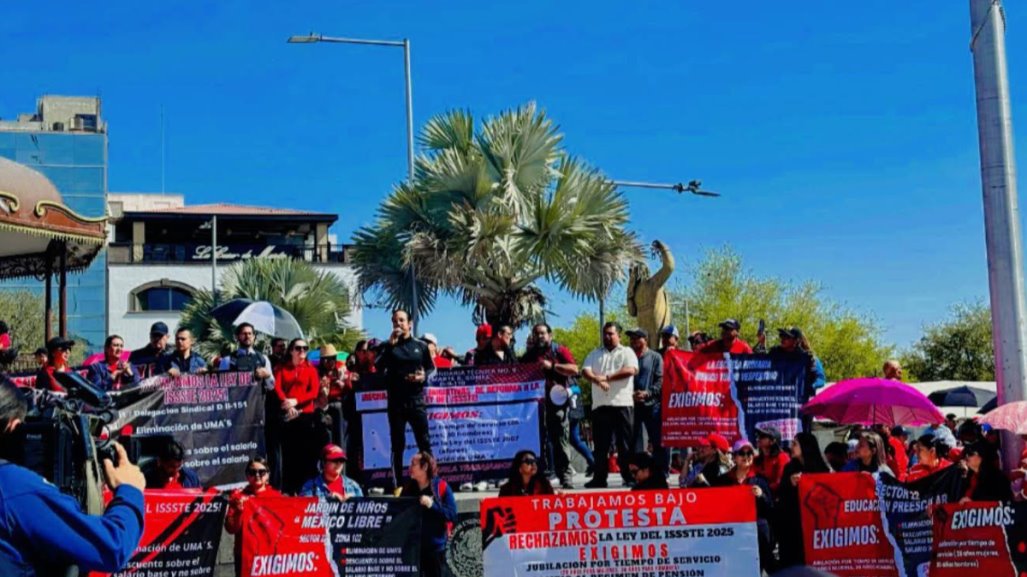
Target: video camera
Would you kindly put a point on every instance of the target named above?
(63, 438)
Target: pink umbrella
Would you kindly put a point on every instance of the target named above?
(874, 401)
(1010, 416)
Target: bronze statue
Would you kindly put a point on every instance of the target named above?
(647, 301)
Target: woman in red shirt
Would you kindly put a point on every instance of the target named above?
(58, 350)
(772, 460)
(297, 385)
(929, 450)
(257, 487)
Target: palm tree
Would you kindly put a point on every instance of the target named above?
(318, 299)
(492, 213)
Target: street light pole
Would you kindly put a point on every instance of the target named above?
(405, 45)
(1001, 211)
(693, 187)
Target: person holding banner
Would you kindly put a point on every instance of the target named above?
(332, 482)
(806, 458)
(183, 361)
(611, 369)
(297, 385)
(257, 487)
(525, 478)
(728, 342)
(985, 481)
(743, 473)
(111, 373)
(437, 498)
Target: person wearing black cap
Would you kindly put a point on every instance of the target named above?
(729, 341)
(647, 396)
(41, 357)
(57, 349)
(794, 344)
(147, 358)
(669, 337)
(771, 461)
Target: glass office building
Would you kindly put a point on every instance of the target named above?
(66, 141)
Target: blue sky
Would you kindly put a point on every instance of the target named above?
(842, 135)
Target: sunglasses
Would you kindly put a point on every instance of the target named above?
(300, 348)
(336, 460)
(529, 462)
(256, 472)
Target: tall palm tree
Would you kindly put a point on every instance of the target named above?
(489, 215)
(318, 299)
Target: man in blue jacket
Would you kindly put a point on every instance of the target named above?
(43, 531)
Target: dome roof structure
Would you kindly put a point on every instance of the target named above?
(35, 222)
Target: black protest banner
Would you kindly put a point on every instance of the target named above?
(181, 535)
(770, 390)
(218, 419)
(329, 538)
(906, 513)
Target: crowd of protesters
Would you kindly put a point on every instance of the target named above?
(314, 433)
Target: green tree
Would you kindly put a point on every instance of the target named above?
(23, 311)
(958, 349)
(492, 212)
(847, 342)
(318, 300)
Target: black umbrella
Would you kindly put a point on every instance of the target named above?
(961, 397)
(989, 406)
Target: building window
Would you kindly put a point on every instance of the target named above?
(163, 295)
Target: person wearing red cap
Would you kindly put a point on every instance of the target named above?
(712, 462)
(482, 336)
(332, 482)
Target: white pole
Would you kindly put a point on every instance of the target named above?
(214, 259)
(1001, 212)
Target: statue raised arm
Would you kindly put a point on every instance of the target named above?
(647, 300)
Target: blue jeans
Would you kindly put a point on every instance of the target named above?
(579, 445)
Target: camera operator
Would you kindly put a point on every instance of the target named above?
(43, 531)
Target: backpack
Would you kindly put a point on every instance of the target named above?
(443, 487)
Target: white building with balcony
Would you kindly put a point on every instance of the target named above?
(160, 250)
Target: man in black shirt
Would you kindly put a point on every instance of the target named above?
(499, 351)
(147, 359)
(405, 365)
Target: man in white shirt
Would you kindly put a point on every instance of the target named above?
(611, 369)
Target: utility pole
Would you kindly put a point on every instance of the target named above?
(1001, 210)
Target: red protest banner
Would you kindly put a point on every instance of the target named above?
(181, 535)
(708, 531)
(307, 536)
(976, 539)
(842, 528)
(696, 399)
